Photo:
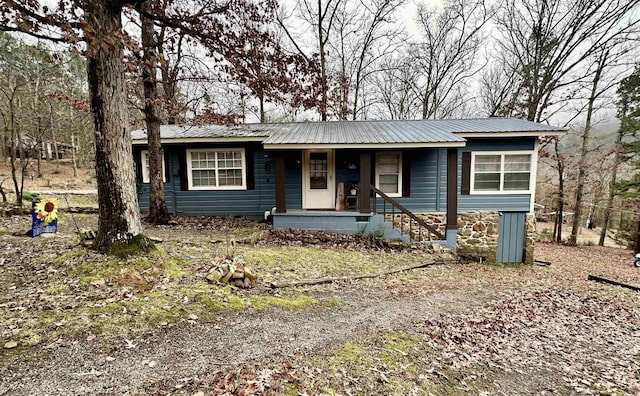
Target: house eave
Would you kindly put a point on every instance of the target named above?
(203, 140)
(383, 146)
(509, 134)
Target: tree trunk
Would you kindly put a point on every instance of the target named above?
(612, 183)
(53, 137)
(636, 244)
(40, 144)
(119, 225)
(261, 98)
(73, 156)
(158, 211)
(323, 65)
(560, 214)
(582, 165)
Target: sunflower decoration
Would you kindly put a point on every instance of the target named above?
(47, 210)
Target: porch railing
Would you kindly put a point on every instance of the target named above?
(394, 207)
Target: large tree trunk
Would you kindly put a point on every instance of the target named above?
(119, 225)
(158, 211)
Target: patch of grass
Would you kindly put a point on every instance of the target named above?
(308, 262)
(297, 302)
(68, 256)
(138, 244)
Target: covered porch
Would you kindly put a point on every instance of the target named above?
(348, 183)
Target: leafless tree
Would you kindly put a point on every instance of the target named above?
(395, 89)
(320, 17)
(552, 39)
(604, 78)
(447, 53)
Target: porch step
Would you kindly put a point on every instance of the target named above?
(378, 227)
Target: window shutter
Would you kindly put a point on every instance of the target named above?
(406, 159)
(466, 173)
(137, 159)
(250, 166)
(182, 168)
(167, 166)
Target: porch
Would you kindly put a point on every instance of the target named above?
(340, 191)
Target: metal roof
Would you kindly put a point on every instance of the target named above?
(393, 132)
(361, 132)
(209, 131)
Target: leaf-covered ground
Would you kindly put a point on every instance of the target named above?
(87, 324)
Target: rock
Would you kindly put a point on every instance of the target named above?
(109, 358)
(199, 393)
(214, 275)
(226, 278)
(248, 273)
(10, 345)
(156, 239)
(238, 275)
(479, 227)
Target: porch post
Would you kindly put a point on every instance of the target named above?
(365, 182)
(281, 202)
(452, 198)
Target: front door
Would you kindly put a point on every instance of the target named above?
(318, 180)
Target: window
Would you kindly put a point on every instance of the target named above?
(501, 172)
(216, 169)
(145, 167)
(389, 173)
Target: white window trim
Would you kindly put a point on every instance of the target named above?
(399, 193)
(532, 172)
(244, 169)
(145, 170)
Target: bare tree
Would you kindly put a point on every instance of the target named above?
(447, 53)
(552, 39)
(320, 17)
(603, 79)
(394, 86)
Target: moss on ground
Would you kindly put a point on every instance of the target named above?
(391, 364)
(311, 262)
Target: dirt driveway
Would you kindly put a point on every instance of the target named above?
(447, 329)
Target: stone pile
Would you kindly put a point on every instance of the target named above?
(232, 272)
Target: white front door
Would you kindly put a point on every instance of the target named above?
(318, 180)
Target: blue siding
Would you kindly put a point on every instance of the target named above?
(428, 179)
(293, 181)
(511, 237)
(427, 172)
(249, 203)
(502, 202)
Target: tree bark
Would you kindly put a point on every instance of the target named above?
(582, 165)
(158, 211)
(612, 194)
(323, 65)
(560, 214)
(119, 225)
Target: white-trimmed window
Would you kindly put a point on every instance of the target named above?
(501, 172)
(144, 157)
(389, 172)
(216, 169)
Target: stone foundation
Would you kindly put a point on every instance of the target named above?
(477, 232)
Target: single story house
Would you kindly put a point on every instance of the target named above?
(467, 183)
